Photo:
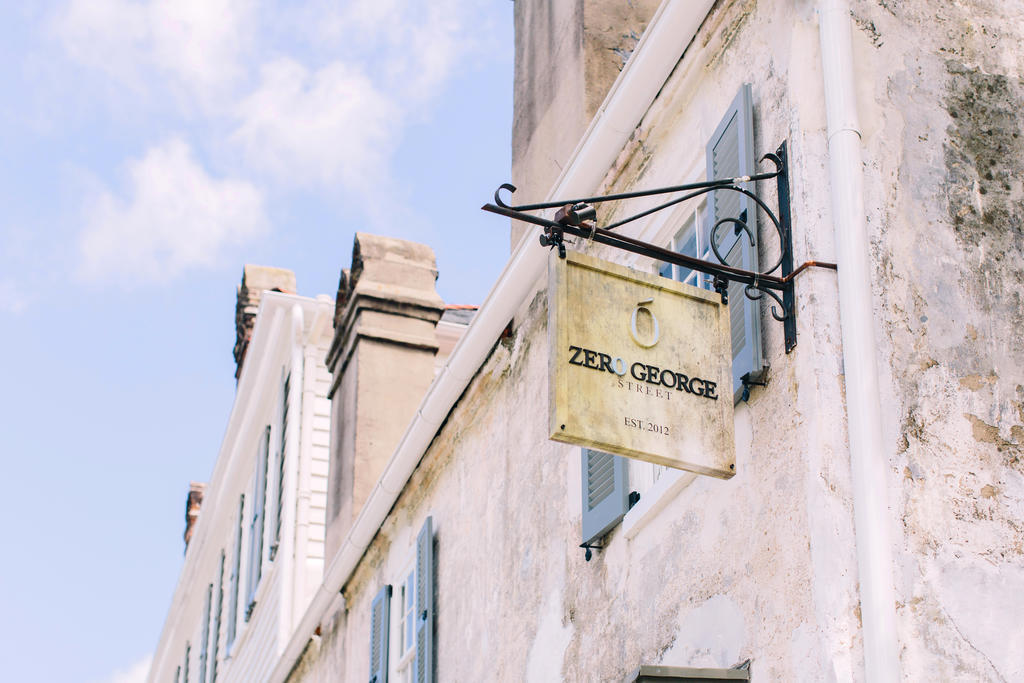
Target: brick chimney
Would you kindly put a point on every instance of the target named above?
(192, 504)
(381, 361)
(255, 281)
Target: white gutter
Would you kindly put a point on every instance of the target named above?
(863, 404)
(656, 55)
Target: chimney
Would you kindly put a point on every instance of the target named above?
(192, 504)
(567, 55)
(255, 281)
(381, 362)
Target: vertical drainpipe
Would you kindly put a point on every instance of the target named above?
(863, 405)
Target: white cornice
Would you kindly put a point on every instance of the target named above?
(269, 348)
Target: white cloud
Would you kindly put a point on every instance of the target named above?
(199, 45)
(136, 673)
(314, 94)
(338, 126)
(415, 45)
(325, 127)
(177, 217)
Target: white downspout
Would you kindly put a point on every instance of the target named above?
(863, 404)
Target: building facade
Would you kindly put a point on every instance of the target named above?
(256, 551)
(873, 528)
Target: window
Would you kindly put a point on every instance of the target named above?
(691, 240)
(683, 674)
(205, 642)
(275, 524)
(405, 627)
(256, 528)
(236, 567)
(730, 154)
(410, 658)
(215, 636)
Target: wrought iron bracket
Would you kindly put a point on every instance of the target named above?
(577, 217)
(590, 547)
(748, 382)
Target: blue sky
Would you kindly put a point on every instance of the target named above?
(150, 150)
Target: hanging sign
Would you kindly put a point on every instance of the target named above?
(641, 366)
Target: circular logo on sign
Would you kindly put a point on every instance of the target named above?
(643, 326)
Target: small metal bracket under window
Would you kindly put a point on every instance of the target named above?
(750, 380)
(590, 547)
(578, 217)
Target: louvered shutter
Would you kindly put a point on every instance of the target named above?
(605, 493)
(380, 613)
(204, 644)
(236, 569)
(275, 528)
(730, 154)
(256, 535)
(188, 653)
(423, 665)
(215, 636)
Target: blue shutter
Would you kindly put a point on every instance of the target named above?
(205, 642)
(605, 493)
(215, 636)
(423, 665)
(380, 619)
(730, 154)
(236, 571)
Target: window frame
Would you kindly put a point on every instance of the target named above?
(695, 222)
(258, 522)
(400, 663)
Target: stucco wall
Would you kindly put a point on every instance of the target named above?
(706, 584)
(943, 123)
(940, 93)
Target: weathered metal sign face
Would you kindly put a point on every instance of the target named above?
(641, 366)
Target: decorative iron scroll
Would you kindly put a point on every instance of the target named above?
(578, 217)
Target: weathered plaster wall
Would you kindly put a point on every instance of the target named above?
(797, 450)
(705, 585)
(940, 89)
(942, 118)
